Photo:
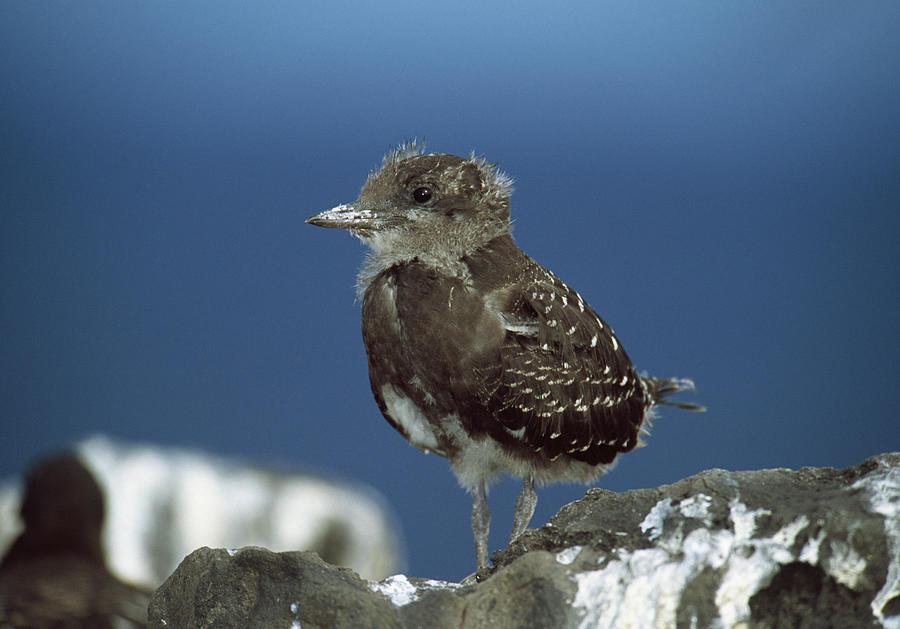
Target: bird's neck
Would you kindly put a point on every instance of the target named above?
(445, 254)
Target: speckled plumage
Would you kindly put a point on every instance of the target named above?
(476, 351)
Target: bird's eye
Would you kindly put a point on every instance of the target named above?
(422, 195)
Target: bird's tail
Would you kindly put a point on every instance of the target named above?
(661, 388)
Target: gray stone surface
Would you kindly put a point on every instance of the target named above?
(816, 547)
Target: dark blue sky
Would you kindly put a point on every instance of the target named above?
(721, 181)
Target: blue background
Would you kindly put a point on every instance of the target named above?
(721, 181)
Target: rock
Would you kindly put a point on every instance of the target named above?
(54, 575)
(771, 548)
(259, 588)
(162, 503)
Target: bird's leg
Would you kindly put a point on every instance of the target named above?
(481, 524)
(524, 509)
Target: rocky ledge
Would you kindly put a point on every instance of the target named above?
(815, 547)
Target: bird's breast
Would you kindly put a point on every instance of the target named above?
(427, 337)
(442, 324)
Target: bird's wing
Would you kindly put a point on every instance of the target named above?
(565, 386)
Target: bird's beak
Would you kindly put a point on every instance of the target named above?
(346, 216)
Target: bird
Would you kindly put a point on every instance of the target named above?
(475, 351)
(54, 575)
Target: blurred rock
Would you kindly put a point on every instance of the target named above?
(54, 574)
(165, 502)
(816, 547)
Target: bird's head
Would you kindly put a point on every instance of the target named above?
(435, 207)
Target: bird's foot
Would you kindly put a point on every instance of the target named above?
(477, 577)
